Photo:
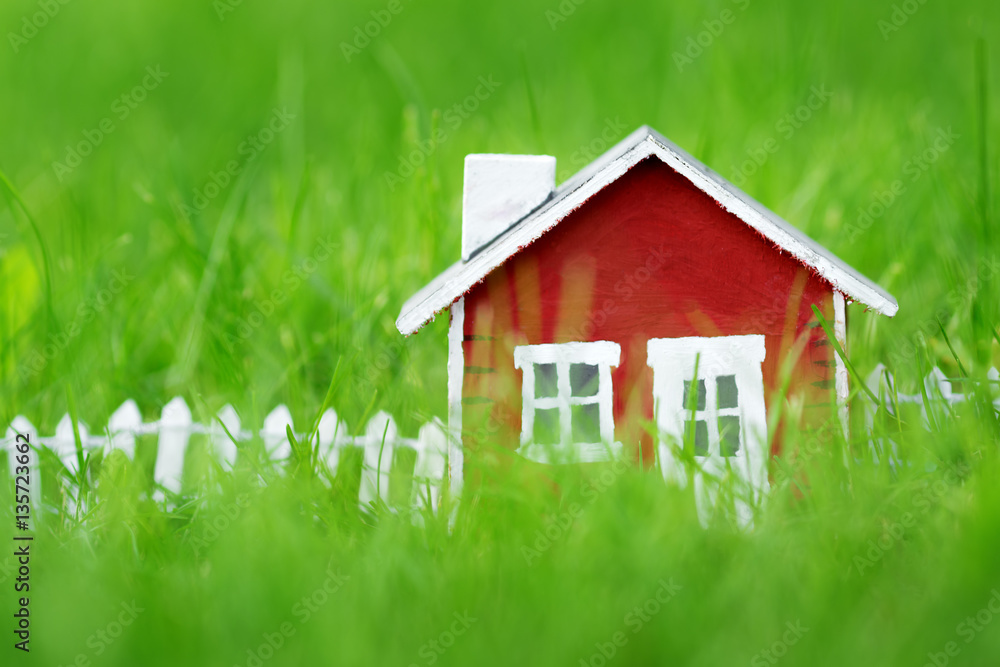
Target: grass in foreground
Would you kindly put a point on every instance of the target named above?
(267, 565)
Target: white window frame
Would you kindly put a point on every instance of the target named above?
(603, 354)
(711, 412)
(673, 361)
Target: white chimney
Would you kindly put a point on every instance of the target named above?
(499, 191)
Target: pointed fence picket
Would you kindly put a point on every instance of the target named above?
(378, 443)
(175, 433)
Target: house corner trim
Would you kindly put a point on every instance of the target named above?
(840, 376)
(456, 374)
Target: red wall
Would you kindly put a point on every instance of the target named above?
(650, 256)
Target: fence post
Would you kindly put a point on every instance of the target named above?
(881, 382)
(122, 428)
(273, 433)
(63, 443)
(222, 447)
(175, 431)
(430, 469)
(330, 431)
(938, 390)
(993, 377)
(371, 484)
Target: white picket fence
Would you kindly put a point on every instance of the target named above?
(175, 428)
(380, 437)
(940, 395)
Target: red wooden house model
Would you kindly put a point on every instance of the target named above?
(645, 290)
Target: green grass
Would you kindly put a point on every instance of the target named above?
(193, 277)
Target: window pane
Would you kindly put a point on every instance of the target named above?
(586, 423)
(729, 435)
(700, 405)
(700, 437)
(547, 426)
(546, 385)
(583, 379)
(727, 391)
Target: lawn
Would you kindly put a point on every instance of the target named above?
(229, 201)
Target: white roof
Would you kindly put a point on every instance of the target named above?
(460, 277)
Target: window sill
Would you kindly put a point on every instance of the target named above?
(576, 453)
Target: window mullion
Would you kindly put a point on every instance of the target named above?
(605, 402)
(563, 394)
(528, 403)
(712, 416)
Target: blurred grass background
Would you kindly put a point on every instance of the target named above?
(175, 328)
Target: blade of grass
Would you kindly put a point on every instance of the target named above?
(840, 351)
(378, 466)
(982, 109)
(46, 270)
(188, 350)
(961, 368)
(368, 410)
(78, 443)
(536, 124)
(327, 401)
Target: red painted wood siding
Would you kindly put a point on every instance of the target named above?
(650, 256)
